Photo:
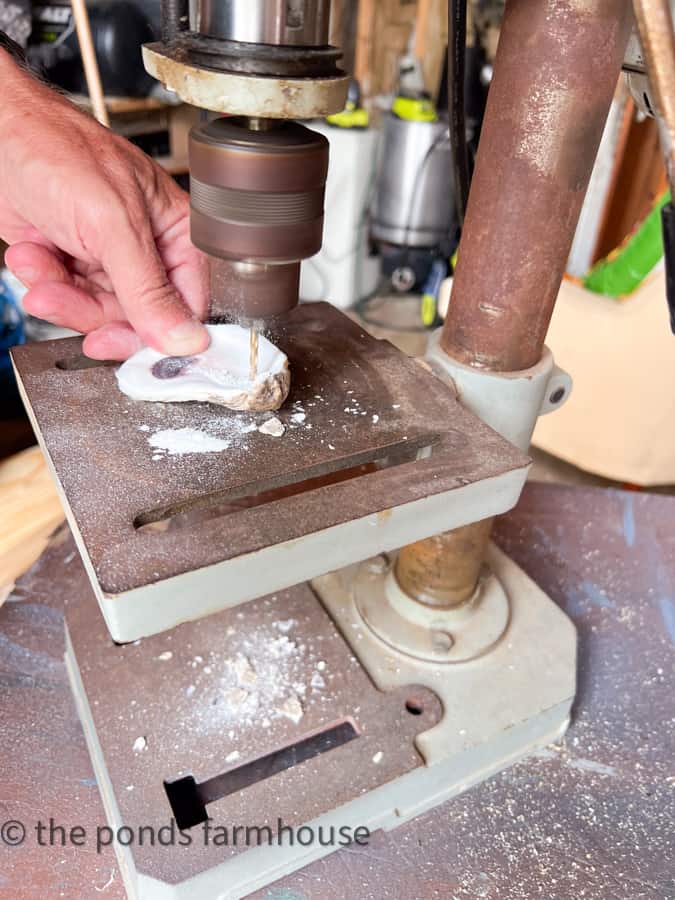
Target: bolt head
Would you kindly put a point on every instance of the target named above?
(378, 565)
(442, 641)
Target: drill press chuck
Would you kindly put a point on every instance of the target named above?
(257, 209)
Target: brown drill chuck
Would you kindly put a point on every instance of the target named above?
(256, 199)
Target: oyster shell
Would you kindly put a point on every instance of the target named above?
(218, 375)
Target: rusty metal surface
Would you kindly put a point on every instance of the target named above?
(590, 819)
(233, 684)
(361, 399)
(443, 570)
(554, 77)
(555, 73)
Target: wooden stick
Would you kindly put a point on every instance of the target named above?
(422, 28)
(89, 61)
(336, 17)
(364, 39)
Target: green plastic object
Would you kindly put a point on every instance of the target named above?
(352, 116)
(414, 109)
(620, 273)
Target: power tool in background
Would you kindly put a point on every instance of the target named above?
(415, 235)
(409, 226)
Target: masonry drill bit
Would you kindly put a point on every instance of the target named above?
(253, 355)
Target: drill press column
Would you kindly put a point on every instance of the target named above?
(532, 189)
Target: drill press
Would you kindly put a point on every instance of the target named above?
(256, 194)
(266, 520)
(345, 701)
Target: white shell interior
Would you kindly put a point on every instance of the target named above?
(221, 374)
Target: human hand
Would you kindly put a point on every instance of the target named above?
(99, 233)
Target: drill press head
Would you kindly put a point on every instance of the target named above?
(257, 179)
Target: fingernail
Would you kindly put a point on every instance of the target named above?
(187, 338)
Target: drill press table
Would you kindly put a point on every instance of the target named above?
(378, 453)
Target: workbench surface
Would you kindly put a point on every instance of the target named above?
(591, 818)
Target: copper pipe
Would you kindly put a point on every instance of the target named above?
(556, 69)
(655, 24)
(443, 570)
(555, 73)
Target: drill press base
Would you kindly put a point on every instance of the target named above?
(372, 739)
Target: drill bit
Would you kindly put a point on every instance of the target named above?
(253, 354)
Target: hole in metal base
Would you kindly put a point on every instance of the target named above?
(414, 707)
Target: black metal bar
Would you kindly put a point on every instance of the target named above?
(174, 18)
(189, 799)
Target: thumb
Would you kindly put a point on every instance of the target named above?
(153, 306)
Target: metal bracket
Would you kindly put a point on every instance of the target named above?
(245, 95)
(509, 402)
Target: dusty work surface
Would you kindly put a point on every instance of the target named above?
(355, 402)
(220, 696)
(590, 819)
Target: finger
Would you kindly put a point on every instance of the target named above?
(71, 307)
(33, 263)
(29, 234)
(92, 273)
(187, 266)
(151, 302)
(116, 340)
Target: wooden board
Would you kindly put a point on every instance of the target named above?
(31, 510)
(619, 421)
(388, 29)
